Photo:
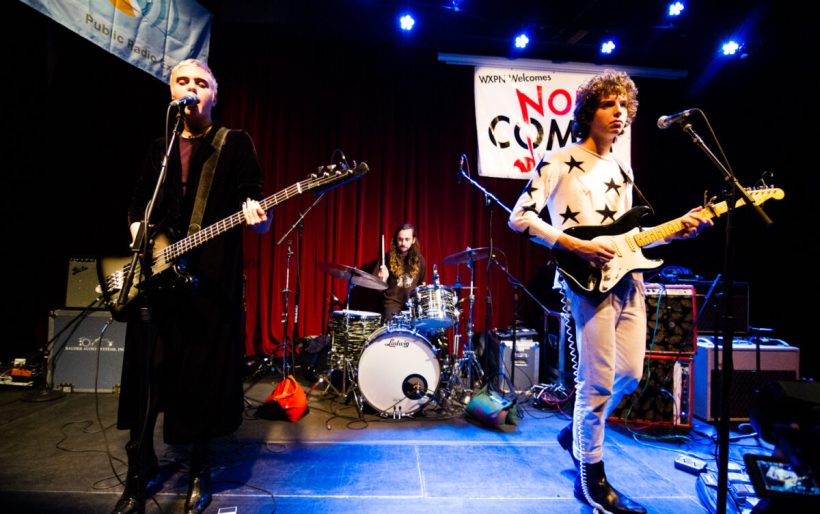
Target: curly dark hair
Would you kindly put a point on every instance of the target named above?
(396, 264)
(589, 94)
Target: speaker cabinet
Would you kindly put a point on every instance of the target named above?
(77, 344)
(670, 319)
(526, 363)
(777, 362)
(663, 398)
(709, 315)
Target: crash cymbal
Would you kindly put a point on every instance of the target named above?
(365, 279)
(353, 275)
(338, 270)
(470, 254)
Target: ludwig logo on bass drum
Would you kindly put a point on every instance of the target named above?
(396, 343)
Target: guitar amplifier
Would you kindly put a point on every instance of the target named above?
(525, 362)
(670, 319)
(709, 312)
(778, 362)
(83, 354)
(82, 283)
(663, 398)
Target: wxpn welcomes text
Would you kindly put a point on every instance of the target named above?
(515, 78)
(108, 31)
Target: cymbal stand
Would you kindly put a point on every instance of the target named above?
(468, 363)
(348, 371)
(286, 315)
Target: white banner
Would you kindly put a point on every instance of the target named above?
(523, 114)
(153, 35)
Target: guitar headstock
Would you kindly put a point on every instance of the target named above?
(761, 194)
(333, 176)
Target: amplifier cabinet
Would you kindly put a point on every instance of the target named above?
(78, 344)
(526, 361)
(82, 283)
(709, 311)
(663, 398)
(778, 361)
(670, 319)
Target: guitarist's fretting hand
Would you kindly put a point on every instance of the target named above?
(693, 222)
(593, 252)
(255, 216)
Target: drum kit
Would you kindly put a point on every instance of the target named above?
(401, 367)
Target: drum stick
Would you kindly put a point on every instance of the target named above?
(381, 251)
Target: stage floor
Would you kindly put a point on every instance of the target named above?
(54, 457)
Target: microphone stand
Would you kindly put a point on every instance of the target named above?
(726, 319)
(489, 198)
(516, 286)
(298, 224)
(140, 250)
(285, 313)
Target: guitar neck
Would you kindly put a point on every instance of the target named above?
(713, 211)
(171, 252)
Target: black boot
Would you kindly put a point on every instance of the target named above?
(132, 500)
(600, 495)
(565, 440)
(199, 481)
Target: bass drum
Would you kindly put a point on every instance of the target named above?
(398, 371)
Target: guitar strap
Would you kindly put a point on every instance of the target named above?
(205, 180)
(629, 180)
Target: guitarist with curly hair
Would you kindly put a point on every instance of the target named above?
(583, 184)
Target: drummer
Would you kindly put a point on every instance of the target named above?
(403, 270)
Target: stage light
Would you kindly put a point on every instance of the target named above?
(521, 41)
(676, 8)
(407, 22)
(607, 47)
(732, 48)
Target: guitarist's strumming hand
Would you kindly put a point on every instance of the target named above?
(255, 216)
(593, 252)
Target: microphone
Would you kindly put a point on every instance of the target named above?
(665, 122)
(436, 279)
(182, 102)
(460, 168)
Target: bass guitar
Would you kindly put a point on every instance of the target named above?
(627, 238)
(113, 270)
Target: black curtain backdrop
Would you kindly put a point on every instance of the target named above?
(79, 120)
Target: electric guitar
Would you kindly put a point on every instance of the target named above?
(113, 270)
(626, 237)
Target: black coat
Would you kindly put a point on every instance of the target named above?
(198, 350)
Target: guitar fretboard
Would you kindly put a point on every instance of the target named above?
(664, 230)
(171, 252)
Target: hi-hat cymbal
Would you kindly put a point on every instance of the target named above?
(470, 254)
(353, 275)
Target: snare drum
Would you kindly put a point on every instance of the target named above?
(398, 371)
(433, 307)
(349, 331)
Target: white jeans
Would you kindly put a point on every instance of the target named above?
(611, 338)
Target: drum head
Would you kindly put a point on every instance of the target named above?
(398, 371)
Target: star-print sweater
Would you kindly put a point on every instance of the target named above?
(578, 187)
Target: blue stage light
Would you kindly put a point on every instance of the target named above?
(730, 48)
(676, 8)
(521, 41)
(407, 22)
(607, 47)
